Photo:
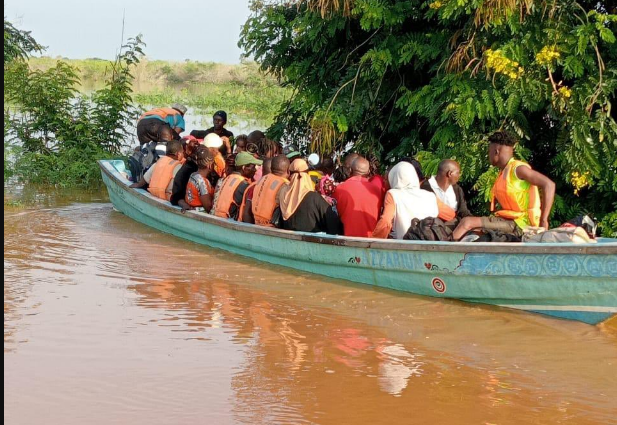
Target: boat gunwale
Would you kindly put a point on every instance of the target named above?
(367, 243)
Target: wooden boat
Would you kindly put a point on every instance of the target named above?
(569, 281)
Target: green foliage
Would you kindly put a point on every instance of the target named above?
(396, 77)
(56, 134)
(18, 44)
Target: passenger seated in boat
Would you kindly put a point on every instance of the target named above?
(358, 201)
(219, 119)
(213, 142)
(199, 190)
(160, 176)
(444, 186)
(516, 190)
(302, 208)
(261, 205)
(406, 201)
(240, 143)
(230, 193)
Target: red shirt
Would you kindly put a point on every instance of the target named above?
(358, 202)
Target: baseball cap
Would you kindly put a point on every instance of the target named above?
(245, 158)
(179, 107)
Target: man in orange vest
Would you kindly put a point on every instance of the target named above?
(261, 201)
(160, 176)
(230, 192)
(516, 191)
(155, 125)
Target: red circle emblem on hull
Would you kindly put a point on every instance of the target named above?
(439, 285)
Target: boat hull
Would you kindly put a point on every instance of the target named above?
(574, 282)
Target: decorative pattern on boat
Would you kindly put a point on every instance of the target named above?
(540, 265)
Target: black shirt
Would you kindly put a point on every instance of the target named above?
(200, 134)
(314, 215)
(178, 190)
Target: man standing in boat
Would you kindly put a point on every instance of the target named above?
(161, 121)
(516, 191)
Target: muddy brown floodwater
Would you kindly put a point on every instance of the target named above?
(107, 321)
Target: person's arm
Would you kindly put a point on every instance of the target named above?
(145, 179)
(140, 183)
(462, 209)
(547, 188)
(247, 216)
(184, 205)
(384, 225)
(329, 220)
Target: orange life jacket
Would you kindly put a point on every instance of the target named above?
(162, 175)
(225, 198)
(519, 202)
(161, 112)
(265, 198)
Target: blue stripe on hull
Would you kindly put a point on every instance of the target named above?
(593, 318)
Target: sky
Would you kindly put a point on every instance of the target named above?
(199, 30)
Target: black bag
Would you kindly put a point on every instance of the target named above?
(428, 229)
(141, 160)
(497, 236)
(586, 222)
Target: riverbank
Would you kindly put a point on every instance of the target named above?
(241, 89)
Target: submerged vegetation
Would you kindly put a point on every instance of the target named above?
(435, 78)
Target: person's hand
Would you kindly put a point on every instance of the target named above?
(227, 143)
(185, 209)
(544, 223)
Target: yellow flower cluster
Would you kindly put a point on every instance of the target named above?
(565, 92)
(496, 61)
(436, 4)
(579, 181)
(547, 55)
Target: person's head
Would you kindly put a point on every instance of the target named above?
(241, 142)
(246, 164)
(448, 171)
(350, 158)
(500, 148)
(165, 134)
(267, 166)
(180, 108)
(280, 166)
(175, 149)
(416, 165)
(403, 176)
(341, 174)
(203, 158)
(327, 166)
(219, 119)
(360, 167)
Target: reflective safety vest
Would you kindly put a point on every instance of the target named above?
(162, 175)
(265, 196)
(225, 198)
(519, 200)
(160, 112)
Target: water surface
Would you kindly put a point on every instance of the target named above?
(107, 321)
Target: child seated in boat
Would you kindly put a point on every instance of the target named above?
(199, 190)
(516, 190)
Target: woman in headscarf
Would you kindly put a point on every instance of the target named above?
(406, 201)
(303, 209)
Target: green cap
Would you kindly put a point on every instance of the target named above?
(245, 158)
(293, 154)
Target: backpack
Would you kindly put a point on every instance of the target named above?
(561, 235)
(141, 160)
(428, 229)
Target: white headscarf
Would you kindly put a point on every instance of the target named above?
(411, 201)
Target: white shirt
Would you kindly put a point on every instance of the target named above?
(448, 197)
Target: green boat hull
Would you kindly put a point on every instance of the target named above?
(569, 281)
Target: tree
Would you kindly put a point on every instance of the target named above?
(401, 77)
